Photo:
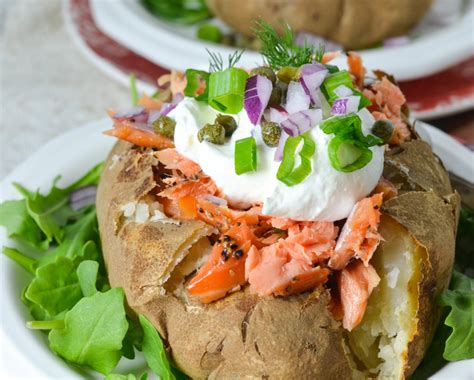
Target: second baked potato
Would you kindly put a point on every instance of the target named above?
(353, 24)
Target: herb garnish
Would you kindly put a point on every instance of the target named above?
(216, 62)
(280, 51)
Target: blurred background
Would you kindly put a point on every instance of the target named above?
(63, 63)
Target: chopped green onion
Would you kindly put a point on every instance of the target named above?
(226, 90)
(133, 89)
(209, 32)
(245, 155)
(195, 79)
(287, 172)
(349, 126)
(333, 81)
(332, 68)
(348, 155)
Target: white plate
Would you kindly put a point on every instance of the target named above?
(71, 155)
(432, 50)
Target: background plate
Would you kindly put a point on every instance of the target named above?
(443, 93)
(434, 48)
(27, 349)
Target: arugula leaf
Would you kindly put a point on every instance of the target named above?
(56, 286)
(433, 360)
(154, 351)
(114, 376)
(36, 311)
(52, 211)
(460, 344)
(87, 275)
(94, 331)
(465, 242)
(133, 339)
(76, 236)
(21, 259)
(20, 225)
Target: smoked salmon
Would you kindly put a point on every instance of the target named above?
(140, 137)
(387, 100)
(225, 268)
(355, 284)
(359, 237)
(279, 270)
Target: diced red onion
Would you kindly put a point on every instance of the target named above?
(166, 108)
(303, 38)
(136, 113)
(345, 105)
(277, 114)
(177, 98)
(281, 145)
(257, 94)
(396, 41)
(302, 121)
(342, 91)
(312, 76)
(153, 116)
(82, 197)
(296, 98)
(216, 200)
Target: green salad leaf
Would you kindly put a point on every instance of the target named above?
(131, 376)
(460, 298)
(453, 339)
(38, 219)
(94, 330)
(133, 339)
(20, 225)
(21, 259)
(69, 295)
(56, 287)
(465, 242)
(76, 235)
(154, 351)
(185, 12)
(87, 275)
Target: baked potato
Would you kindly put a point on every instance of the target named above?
(293, 337)
(353, 24)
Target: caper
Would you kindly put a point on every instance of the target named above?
(164, 125)
(228, 122)
(214, 133)
(271, 133)
(287, 74)
(264, 71)
(275, 97)
(383, 129)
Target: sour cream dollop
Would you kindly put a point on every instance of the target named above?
(326, 194)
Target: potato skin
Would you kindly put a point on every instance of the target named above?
(429, 209)
(353, 24)
(243, 336)
(433, 228)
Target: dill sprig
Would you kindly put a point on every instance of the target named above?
(280, 51)
(216, 62)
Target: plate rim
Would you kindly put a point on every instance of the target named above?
(19, 336)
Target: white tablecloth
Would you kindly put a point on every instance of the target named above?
(46, 85)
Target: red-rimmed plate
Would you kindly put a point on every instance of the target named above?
(447, 92)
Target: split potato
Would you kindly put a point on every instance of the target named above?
(294, 337)
(353, 24)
